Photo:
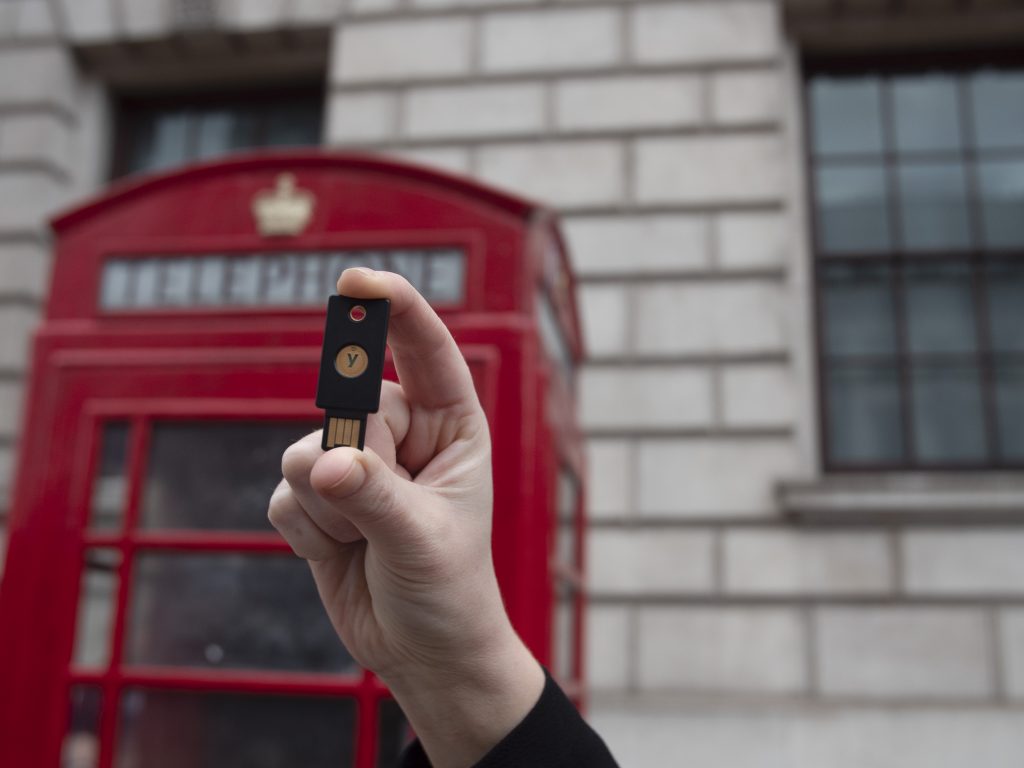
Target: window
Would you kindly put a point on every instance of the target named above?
(154, 134)
(917, 174)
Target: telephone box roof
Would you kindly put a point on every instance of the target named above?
(291, 160)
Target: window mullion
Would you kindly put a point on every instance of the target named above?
(897, 287)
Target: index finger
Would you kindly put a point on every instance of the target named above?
(430, 366)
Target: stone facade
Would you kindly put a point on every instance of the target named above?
(722, 631)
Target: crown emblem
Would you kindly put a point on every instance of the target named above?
(284, 210)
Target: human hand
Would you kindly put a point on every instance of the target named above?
(398, 538)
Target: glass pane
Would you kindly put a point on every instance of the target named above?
(314, 283)
(926, 113)
(949, 424)
(211, 280)
(393, 734)
(81, 746)
(846, 115)
(161, 141)
(857, 310)
(446, 282)
(281, 277)
(178, 277)
(1010, 410)
(147, 282)
(97, 602)
(852, 209)
(115, 285)
(230, 610)
(568, 495)
(940, 308)
(213, 133)
(997, 99)
(215, 475)
(1006, 305)
(172, 729)
(933, 207)
(243, 280)
(552, 336)
(110, 483)
(293, 125)
(864, 414)
(563, 665)
(1002, 201)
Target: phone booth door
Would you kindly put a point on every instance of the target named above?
(196, 637)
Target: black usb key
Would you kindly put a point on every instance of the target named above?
(351, 368)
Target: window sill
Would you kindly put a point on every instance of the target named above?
(955, 497)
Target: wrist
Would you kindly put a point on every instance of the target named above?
(463, 710)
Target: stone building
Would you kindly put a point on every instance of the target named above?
(805, 545)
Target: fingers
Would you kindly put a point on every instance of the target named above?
(296, 464)
(391, 512)
(386, 429)
(295, 526)
(430, 366)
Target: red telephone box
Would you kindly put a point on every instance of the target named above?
(149, 616)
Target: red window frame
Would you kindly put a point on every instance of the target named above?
(141, 414)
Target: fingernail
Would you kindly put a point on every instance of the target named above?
(365, 271)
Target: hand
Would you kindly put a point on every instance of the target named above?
(398, 538)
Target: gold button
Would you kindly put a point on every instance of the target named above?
(351, 361)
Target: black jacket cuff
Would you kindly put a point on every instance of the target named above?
(552, 735)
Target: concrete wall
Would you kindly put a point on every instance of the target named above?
(667, 133)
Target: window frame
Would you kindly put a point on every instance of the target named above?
(975, 258)
(129, 107)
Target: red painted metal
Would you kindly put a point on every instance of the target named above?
(255, 364)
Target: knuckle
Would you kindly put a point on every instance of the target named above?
(280, 511)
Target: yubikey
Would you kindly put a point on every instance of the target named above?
(351, 368)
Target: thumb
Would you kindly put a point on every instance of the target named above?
(366, 492)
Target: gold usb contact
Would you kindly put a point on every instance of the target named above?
(343, 432)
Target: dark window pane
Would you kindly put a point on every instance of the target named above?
(565, 544)
(933, 207)
(853, 209)
(846, 115)
(393, 734)
(563, 665)
(1006, 305)
(948, 416)
(110, 483)
(81, 746)
(940, 308)
(1010, 410)
(926, 113)
(219, 131)
(97, 601)
(172, 729)
(215, 475)
(292, 125)
(864, 414)
(1002, 203)
(157, 136)
(230, 610)
(161, 140)
(857, 310)
(998, 105)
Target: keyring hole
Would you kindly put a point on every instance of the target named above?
(357, 314)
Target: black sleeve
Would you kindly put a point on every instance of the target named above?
(552, 735)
